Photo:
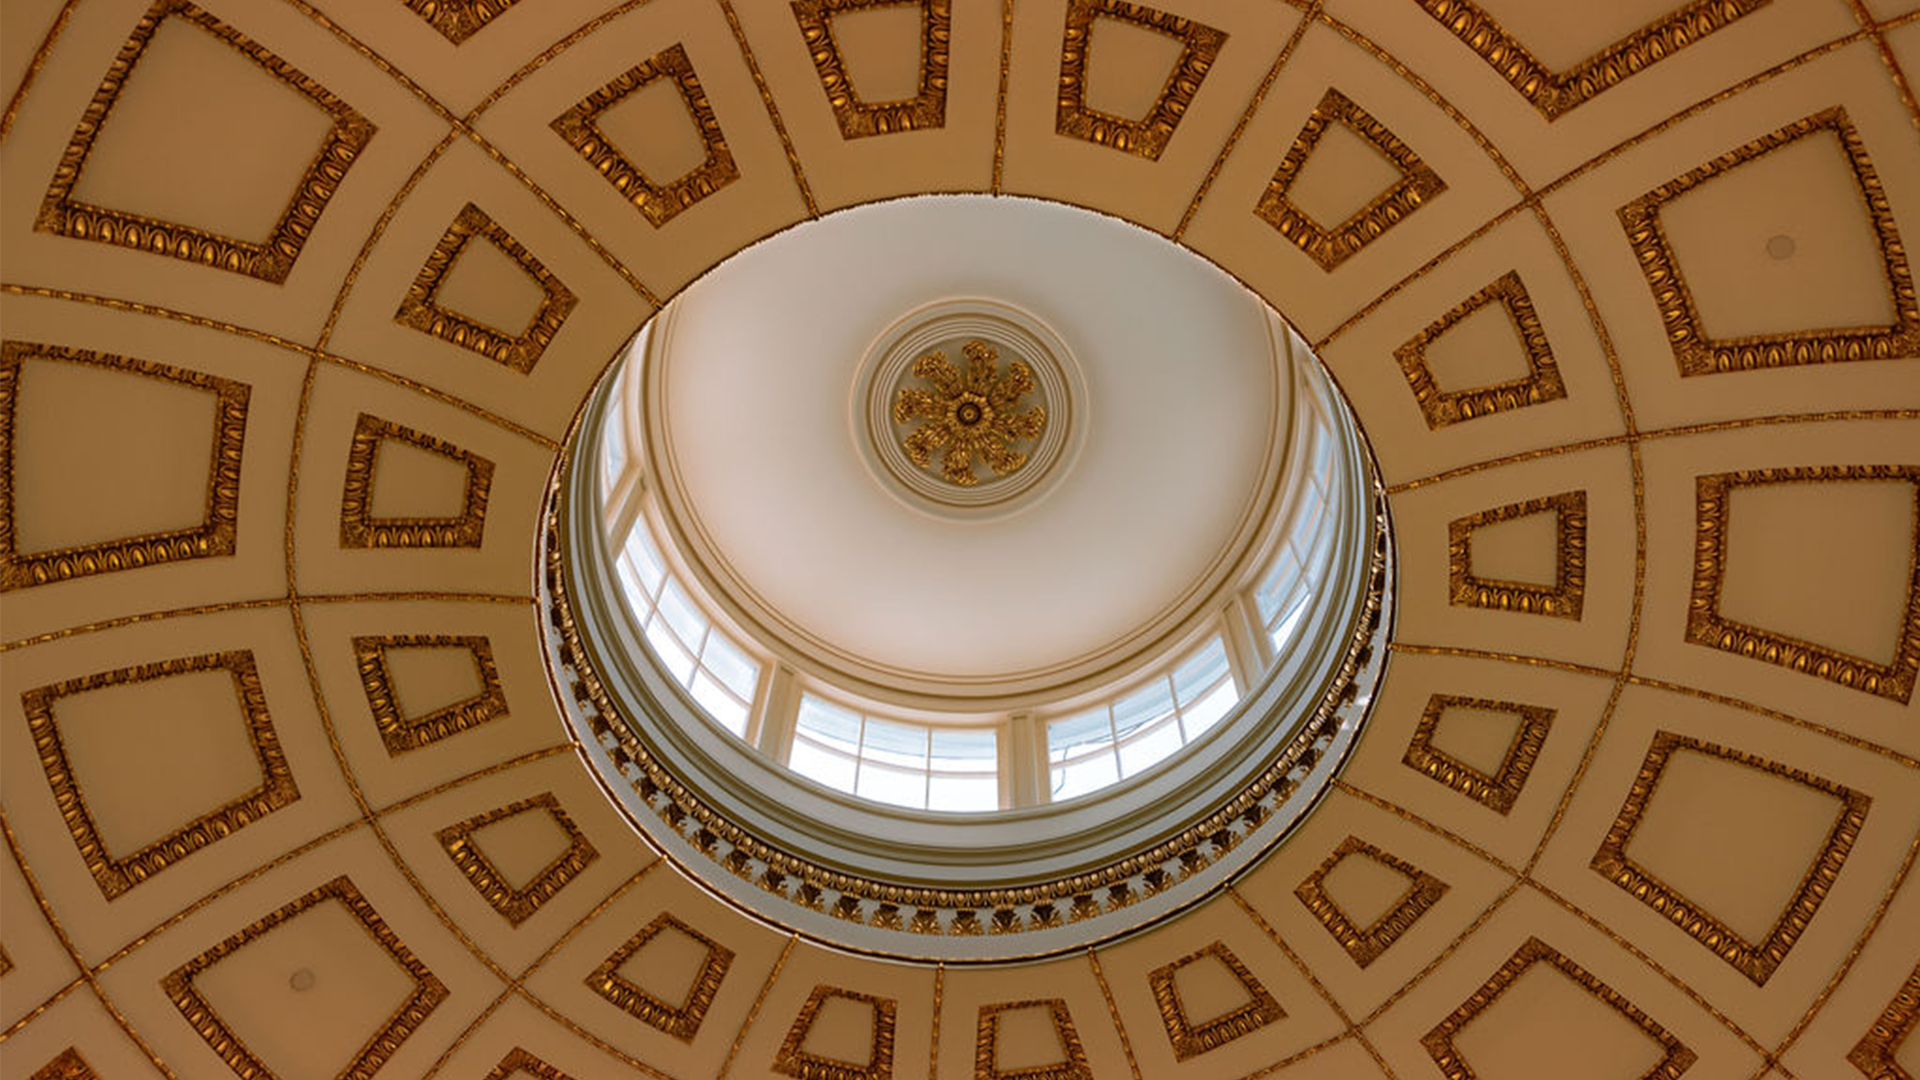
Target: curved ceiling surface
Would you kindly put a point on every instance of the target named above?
(300, 297)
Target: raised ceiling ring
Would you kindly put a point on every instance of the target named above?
(945, 326)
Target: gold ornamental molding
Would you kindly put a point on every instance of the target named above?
(68, 1065)
(269, 260)
(1501, 790)
(1365, 943)
(1874, 1054)
(400, 733)
(986, 1045)
(519, 1062)
(793, 1061)
(116, 875)
(1698, 354)
(681, 1021)
(458, 20)
(1556, 92)
(428, 990)
(1757, 960)
(360, 529)
(421, 308)
(1148, 136)
(1439, 1042)
(218, 533)
(659, 200)
(517, 905)
(1706, 626)
(1329, 246)
(1563, 599)
(967, 414)
(1445, 407)
(858, 119)
(1189, 1039)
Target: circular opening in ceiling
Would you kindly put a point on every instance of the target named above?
(961, 563)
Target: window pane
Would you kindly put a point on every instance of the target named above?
(895, 743)
(1072, 735)
(734, 669)
(647, 564)
(1200, 672)
(726, 711)
(892, 786)
(687, 622)
(1209, 710)
(830, 724)
(1080, 777)
(962, 793)
(966, 750)
(816, 764)
(1149, 748)
(1283, 633)
(616, 451)
(677, 661)
(1142, 707)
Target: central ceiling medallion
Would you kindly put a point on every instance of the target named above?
(977, 436)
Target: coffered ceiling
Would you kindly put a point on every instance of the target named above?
(299, 298)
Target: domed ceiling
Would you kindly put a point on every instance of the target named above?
(300, 298)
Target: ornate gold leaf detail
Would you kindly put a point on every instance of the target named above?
(117, 875)
(1439, 1041)
(660, 201)
(400, 733)
(1756, 960)
(422, 310)
(1706, 626)
(792, 1061)
(1501, 790)
(986, 1046)
(1555, 92)
(859, 119)
(458, 20)
(1563, 599)
(1331, 246)
(681, 1021)
(1541, 383)
(1146, 137)
(360, 529)
(69, 1065)
(519, 1062)
(1873, 1055)
(1190, 1039)
(517, 905)
(975, 413)
(1698, 354)
(1365, 943)
(428, 990)
(269, 260)
(217, 535)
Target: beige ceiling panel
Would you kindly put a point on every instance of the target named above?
(276, 963)
(1053, 1015)
(1384, 243)
(1753, 127)
(1215, 996)
(405, 315)
(547, 864)
(1447, 599)
(402, 730)
(829, 1007)
(1148, 188)
(635, 1021)
(1390, 363)
(520, 1042)
(37, 966)
(1394, 763)
(1872, 1014)
(1573, 1013)
(340, 550)
(159, 847)
(949, 146)
(1885, 10)
(97, 454)
(760, 199)
(1395, 922)
(1347, 1059)
(76, 1027)
(1791, 555)
(340, 193)
(23, 30)
(461, 51)
(1656, 85)
(1775, 843)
